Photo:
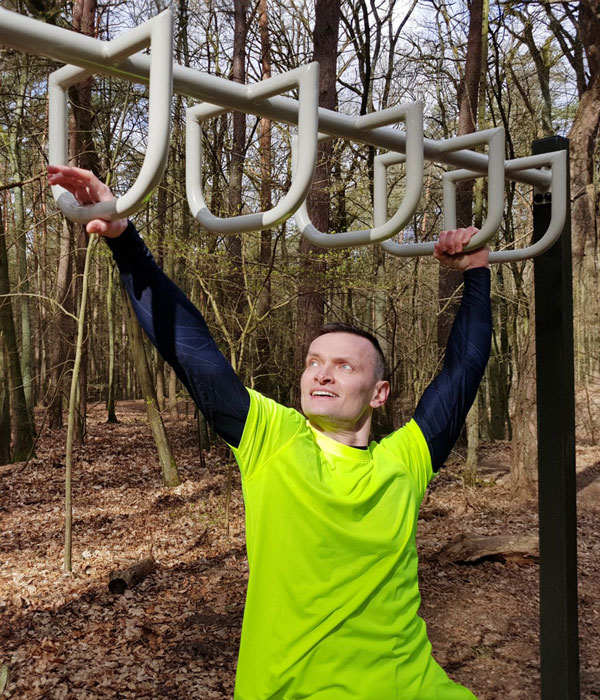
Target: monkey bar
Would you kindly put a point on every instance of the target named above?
(306, 79)
(118, 58)
(412, 115)
(157, 33)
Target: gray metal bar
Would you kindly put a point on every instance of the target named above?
(412, 114)
(559, 647)
(63, 45)
(495, 140)
(306, 78)
(557, 194)
(158, 33)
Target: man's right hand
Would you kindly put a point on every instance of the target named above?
(87, 189)
(448, 250)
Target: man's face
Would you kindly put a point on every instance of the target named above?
(338, 387)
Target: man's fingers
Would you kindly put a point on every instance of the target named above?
(82, 184)
(71, 172)
(468, 233)
(450, 242)
(87, 189)
(453, 242)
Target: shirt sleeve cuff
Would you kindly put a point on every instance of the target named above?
(477, 273)
(127, 248)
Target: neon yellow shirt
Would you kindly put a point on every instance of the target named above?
(331, 608)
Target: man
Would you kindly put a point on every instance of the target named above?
(332, 604)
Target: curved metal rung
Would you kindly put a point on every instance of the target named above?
(495, 140)
(558, 205)
(306, 78)
(158, 33)
(412, 115)
(557, 161)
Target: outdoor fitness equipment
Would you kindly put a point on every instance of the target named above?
(119, 58)
(546, 170)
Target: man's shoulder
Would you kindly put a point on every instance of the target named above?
(270, 428)
(408, 446)
(272, 418)
(269, 406)
(406, 434)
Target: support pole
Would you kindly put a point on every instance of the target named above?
(559, 646)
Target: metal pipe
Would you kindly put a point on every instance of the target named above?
(31, 36)
(495, 140)
(557, 160)
(412, 114)
(306, 78)
(158, 32)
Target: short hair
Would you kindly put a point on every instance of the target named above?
(338, 327)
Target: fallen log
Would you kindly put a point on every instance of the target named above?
(470, 549)
(120, 581)
(4, 678)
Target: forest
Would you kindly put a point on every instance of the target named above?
(104, 460)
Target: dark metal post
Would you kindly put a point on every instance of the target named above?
(559, 646)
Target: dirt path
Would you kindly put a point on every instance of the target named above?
(176, 635)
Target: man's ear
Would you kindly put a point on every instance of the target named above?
(380, 394)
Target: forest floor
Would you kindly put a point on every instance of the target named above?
(176, 634)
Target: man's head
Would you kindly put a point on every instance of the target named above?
(343, 380)
(379, 357)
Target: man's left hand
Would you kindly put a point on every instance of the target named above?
(449, 251)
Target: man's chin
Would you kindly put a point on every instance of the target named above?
(321, 421)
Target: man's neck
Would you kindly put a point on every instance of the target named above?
(353, 437)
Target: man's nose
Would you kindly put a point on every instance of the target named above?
(324, 375)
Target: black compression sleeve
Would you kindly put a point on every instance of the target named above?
(180, 334)
(445, 403)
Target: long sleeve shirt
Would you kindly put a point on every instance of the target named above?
(179, 332)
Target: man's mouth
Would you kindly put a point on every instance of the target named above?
(322, 392)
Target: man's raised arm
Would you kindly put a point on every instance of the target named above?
(445, 403)
(172, 322)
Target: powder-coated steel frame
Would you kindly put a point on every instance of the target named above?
(119, 58)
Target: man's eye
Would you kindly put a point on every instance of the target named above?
(346, 366)
(312, 363)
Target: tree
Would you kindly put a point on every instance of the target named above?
(24, 428)
(266, 162)
(309, 312)
(165, 454)
(84, 154)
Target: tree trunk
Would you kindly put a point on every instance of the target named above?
(159, 372)
(585, 192)
(471, 549)
(84, 155)
(23, 425)
(263, 379)
(472, 423)
(311, 288)
(110, 312)
(165, 455)
(524, 466)
(120, 581)
(234, 287)
(5, 431)
(61, 329)
(449, 279)
(583, 137)
(26, 357)
(499, 377)
(73, 401)
(468, 93)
